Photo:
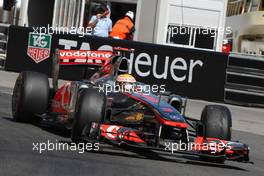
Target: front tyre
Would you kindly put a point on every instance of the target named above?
(217, 123)
(90, 109)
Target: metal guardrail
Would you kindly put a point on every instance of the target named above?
(247, 56)
(2, 61)
(245, 80)
(68, 13)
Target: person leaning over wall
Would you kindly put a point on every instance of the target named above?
(101, 23)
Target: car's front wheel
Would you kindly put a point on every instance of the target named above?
(90, 109)
(217, 123)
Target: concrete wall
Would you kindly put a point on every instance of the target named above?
(153, 16)
(248, 24)
(206, 13)
(146, 21)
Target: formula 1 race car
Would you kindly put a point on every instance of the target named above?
(136, 118)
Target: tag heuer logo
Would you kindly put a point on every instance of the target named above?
(39, 46)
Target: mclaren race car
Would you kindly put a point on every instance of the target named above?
(134, 117)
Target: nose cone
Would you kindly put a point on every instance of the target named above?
(171, 114)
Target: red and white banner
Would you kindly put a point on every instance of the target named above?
(81, 57)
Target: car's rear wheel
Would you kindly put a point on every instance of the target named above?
(30, 96)
(217, 123)
(90, 109)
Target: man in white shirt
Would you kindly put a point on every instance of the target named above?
(101, 24)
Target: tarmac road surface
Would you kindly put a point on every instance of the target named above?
(17, 156)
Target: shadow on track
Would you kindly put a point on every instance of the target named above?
(151, 155)
(51, 128)
(136, 153)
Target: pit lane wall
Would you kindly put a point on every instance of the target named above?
(191, 73)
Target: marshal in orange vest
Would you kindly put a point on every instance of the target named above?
(124, 28)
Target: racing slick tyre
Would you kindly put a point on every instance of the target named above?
(217, 123)
(90, 109)
(30, 96)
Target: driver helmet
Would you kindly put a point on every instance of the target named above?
(126, 82)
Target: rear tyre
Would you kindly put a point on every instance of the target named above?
(90, 108)
(30, 96)
(217, 123)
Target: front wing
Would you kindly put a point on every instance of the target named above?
(204, 147)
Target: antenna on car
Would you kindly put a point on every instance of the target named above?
(55, 70)
(159, 98)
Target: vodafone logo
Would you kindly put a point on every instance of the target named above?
(69, 54)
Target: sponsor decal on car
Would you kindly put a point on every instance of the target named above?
(39, 46)
(76, 57)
